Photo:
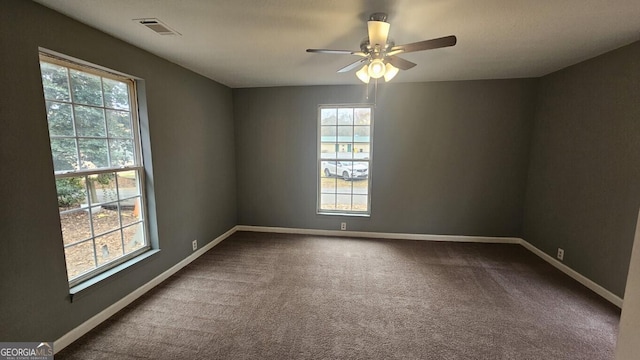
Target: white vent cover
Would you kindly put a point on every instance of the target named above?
(156, 25)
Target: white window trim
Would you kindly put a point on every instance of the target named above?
(72, 63)
(319, 160)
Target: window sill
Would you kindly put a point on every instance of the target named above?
(100, 279)
(343, 214)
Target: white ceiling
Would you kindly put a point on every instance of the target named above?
(256, 43)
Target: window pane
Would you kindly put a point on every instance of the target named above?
(75, 226)
(344, 151)
(345, 142)
(79, 259)
(65, 154)
(133, 238)
(121, 152)
(71, 192)
(327, 201)
(344, 186)
(358, 151)
(343, 202)
(362, 116)
(130, 211)
(361, 151)
(105, 218)
(345, 134)
(94, 153)
(360, 202)
(86, 88)
(119, 123)
(360, 187)
(345, 116)
(89, 121)
(361, 133)
(127, 184)
(328, 117)
(60, 119)
(55, 82)
(103, 188)
(116, 94)
(328, 133)
(328, 184)
(360, 170)
(328, 151)
(109, 247)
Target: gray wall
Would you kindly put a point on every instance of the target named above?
(190, 127)
(583, 190)
(448, 157)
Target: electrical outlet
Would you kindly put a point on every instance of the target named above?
(560, 254)
(194, 244)
(343, 226)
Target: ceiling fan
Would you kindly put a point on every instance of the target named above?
(379, 53)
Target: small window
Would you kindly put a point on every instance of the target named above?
(95, 146)
(344, 159)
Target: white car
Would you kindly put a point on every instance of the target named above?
(348, 170)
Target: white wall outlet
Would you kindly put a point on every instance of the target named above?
(343, 226)
(560, 254)
(194, 244)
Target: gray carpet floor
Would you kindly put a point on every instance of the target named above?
(275, 296)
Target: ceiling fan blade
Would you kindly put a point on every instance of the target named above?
(425, 45)
(400, 63)
(336, 52)
(352, 66)
(378, 33)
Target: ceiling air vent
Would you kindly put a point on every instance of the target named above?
(157, 26)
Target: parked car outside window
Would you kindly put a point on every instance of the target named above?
(348, 170)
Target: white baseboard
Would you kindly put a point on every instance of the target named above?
(96, 320)
(379, 235)
(608, 295)
(85, 327)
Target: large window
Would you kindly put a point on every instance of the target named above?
(344, 159)
(95, 146)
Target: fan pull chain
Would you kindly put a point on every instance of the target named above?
(375, 94)
(366, 91)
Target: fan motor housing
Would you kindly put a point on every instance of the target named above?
(379, 16)
(365, 45)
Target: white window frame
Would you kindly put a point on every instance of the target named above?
(137, 167)
(321, 160)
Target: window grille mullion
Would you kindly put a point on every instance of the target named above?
(79, 242)
(96, 171)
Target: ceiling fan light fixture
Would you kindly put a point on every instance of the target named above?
(390, 72)
(363, 74)
(378, 33)
(377, 68)
(378, 52)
